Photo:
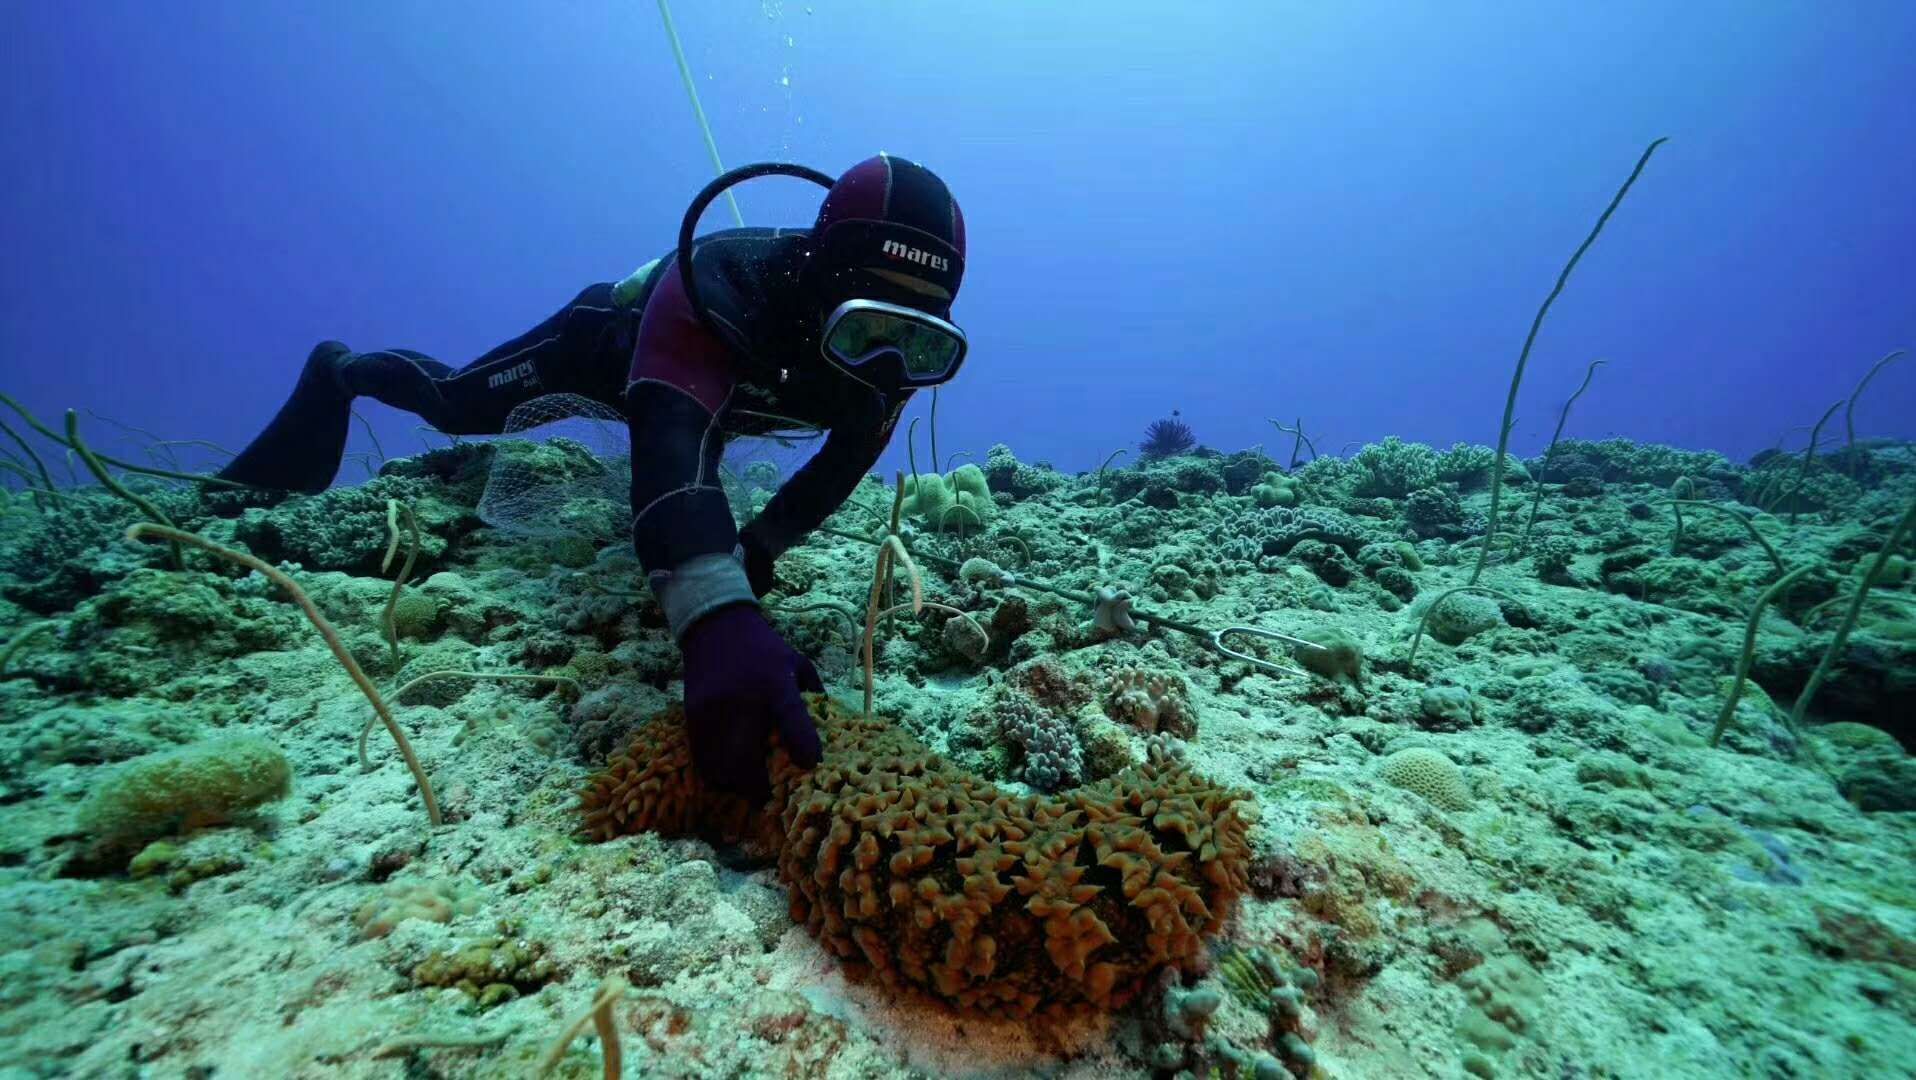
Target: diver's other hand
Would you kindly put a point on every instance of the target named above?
(758, 561)
(742, 683)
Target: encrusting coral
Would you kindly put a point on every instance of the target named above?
(930, 878)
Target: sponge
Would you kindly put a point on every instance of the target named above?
(208, 783)
(959, 500)
(932, 880)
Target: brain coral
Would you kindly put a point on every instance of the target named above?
(931, 879)
(1430, 774)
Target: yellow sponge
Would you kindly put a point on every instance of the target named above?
(207, 783)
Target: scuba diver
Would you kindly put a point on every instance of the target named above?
(748, 331)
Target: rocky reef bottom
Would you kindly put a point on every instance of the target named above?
(1560, 822)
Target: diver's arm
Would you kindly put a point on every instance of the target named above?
(743, 682)
(818, 488)
(682, 528)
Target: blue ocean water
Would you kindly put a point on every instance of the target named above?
(1345, 213)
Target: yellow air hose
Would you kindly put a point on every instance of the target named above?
(698, 110)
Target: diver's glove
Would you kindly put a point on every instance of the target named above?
(742, 684)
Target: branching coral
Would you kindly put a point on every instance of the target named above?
(1516, 379)
(928, 878)
(1394, 468)
(1150, 701)
(1902, 529)
(1053, 753)
(1749, 648)
(1277, 530)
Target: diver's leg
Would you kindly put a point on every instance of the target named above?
(300, 449)
(582, 349)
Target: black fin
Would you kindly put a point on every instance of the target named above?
(301, 449)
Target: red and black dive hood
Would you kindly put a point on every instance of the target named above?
(884, 213)
(887, 213)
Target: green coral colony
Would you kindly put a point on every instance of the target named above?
(1409, 762)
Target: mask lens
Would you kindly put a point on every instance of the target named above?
(927, 352)
(860, 334)
(852, 339)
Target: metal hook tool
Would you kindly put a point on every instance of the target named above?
(1217, 642)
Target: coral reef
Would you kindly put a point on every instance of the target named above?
(958, 502)
(1277, 530)
(490, 970)
(1393, 469)
(1516, 856)
(1151, 701)
(429, 901)
(1004, 472)
(1053, 757)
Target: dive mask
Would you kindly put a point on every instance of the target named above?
(889, 344)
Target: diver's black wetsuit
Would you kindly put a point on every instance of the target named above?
(683, 391)
(578, 350)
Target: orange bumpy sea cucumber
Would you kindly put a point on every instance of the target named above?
(932, 879)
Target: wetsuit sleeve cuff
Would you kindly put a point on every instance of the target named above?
(699, 586)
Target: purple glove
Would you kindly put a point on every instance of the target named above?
(742, 683)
